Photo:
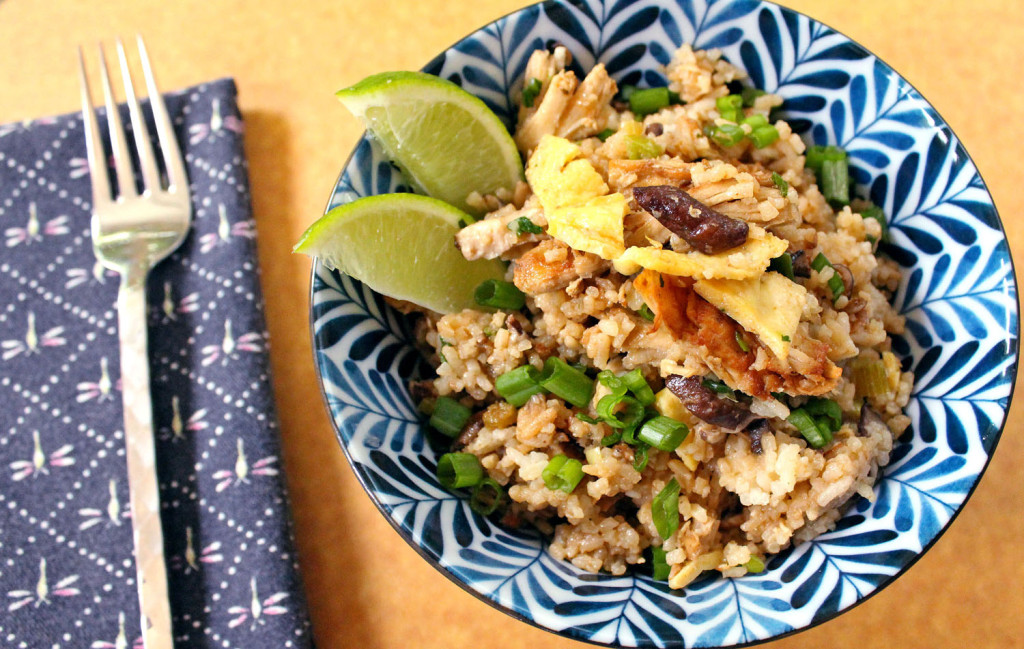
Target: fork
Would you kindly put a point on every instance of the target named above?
(131, 232)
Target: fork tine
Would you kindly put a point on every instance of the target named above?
(147, 163)
(93, 145)
(164, 130)
(118, 144)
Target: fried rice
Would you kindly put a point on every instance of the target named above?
(745, 493)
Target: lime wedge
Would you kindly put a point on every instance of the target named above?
(400, 245)
(447, 142)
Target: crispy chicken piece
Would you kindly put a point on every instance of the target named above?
(491, 237)
(644, 173)
(552, 265)
(543, 120)
(692, 318)
(589, 108)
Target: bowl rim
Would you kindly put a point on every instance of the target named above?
(568, 632)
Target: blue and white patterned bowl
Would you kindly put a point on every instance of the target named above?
(958, 294)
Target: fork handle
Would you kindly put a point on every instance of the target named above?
(144, 490)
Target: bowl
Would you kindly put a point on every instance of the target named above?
(958, 294)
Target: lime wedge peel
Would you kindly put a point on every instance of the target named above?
(402, 246)
(447, 142)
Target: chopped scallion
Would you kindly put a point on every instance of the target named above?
(605, 134)
(719, 388)
(749, 95)
(620, 411)
(562, 473)
(639, 147)
(783, 264)
(754, 565)
(649, 100)
(781, 183)
(518, 385)
(726, 135)
(530, 91)
(499, 295)
(755, 121)
(663, 433)
(638, 385)
(646, 313)
(730, 107)
(837, 285)
(816, 155)
(665, 510)
(608, 379)
(785, 338)
(820, 261)
(587, 418)
(835, 182)
(640, 458)
(763, 136)
(870, 377)
(744, 347)
(659, 565)
(626, 91)
(487, 497)
(816, 435)
(449, 416)
(612, 438)
(524, 225)
(458, 470)
(818, 407)
(566, 382)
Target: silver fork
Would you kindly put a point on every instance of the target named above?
(131, 232)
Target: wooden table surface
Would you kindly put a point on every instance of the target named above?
(366, 587)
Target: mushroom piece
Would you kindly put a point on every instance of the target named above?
(871, 423)
(707, 230)
(707, 406)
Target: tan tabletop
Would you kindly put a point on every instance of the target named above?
(366, 587)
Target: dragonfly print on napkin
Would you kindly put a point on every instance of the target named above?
(66, 568)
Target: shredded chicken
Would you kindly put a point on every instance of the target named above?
(551, 265)
(690, 317)
(564, 106)
(491, 237)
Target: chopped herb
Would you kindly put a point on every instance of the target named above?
(720, 388)
(640, 458)
(562, 473)
(783, 264)
(749, 95)
(659, 565)
(816, 155)
(837, 285)
(649, 100)
(587, 418)
(755, 121)
(646, 313)
(726, 135)
(440, 349)
(530, 92)
(876, 213)
(605, 134)
(820, 262)
(741, 342)
(755, 565)
(524, 225)
(665, 509)
(487, 497)
(763, 136)
(834, 179)
(781, 183)
(785, 338)
(639, 147)
(490, 331)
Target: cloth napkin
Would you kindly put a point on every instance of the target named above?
(67, 577)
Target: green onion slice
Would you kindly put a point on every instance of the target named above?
(637, 384)
(518, 385)
(876, 213)
(820, 262)
(818, 407)
(816, 155)
(763, 136)
(649, 100)
(487, 497)
(566, 382)
(524, 225)
(628, 416)
(835, 182)
(562, 473)
(499, 295)
(744, 347)
(530, 91)
(726, 135)
(612, 438)
(749, 95)
(605, 134)
(659, 565)
(870, 377)
(640, 458)
(781, 183)
(783, 264)
(646, 313)
(755, 565)
(639, 147)
(587, 418)
(755, 121)
(665, 509)
(664, 433)
(449, 416)
(817, 436)
(837, 285)
(719, 388)
(458, 470)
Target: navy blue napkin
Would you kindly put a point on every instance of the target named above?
(67, 577)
